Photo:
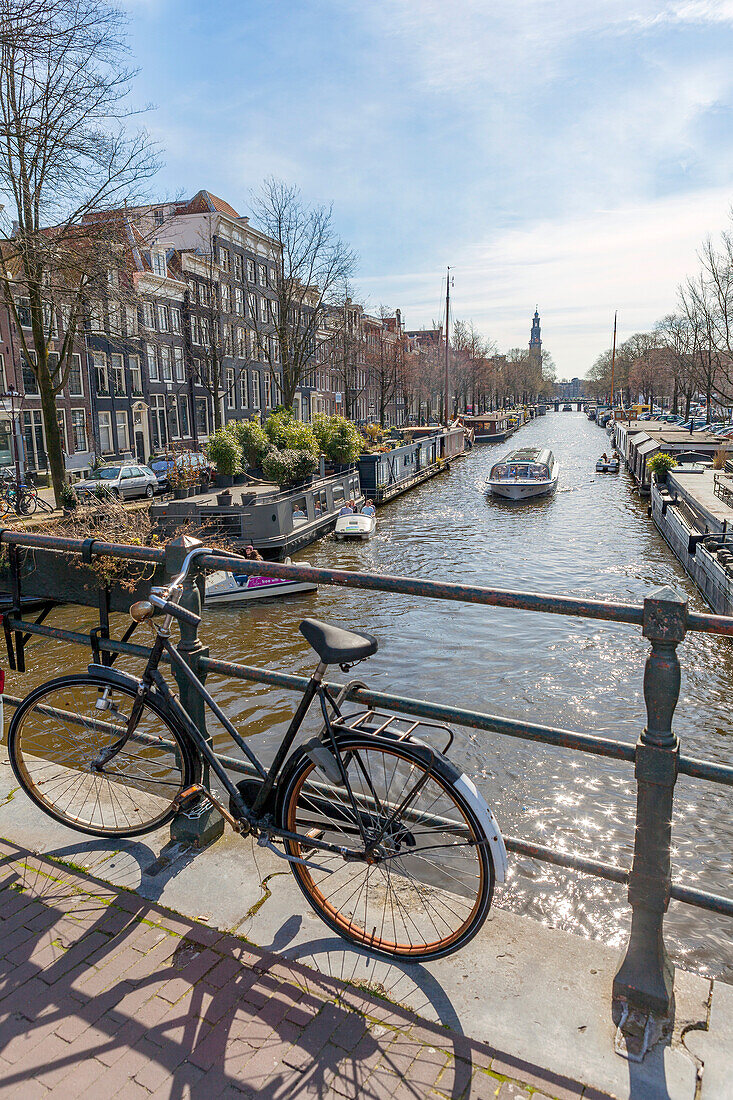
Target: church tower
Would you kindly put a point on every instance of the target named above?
(535, 340)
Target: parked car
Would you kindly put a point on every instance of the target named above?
(124, 482)
(164, 465)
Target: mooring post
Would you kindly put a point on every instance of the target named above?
(203, 824)
(645, 980)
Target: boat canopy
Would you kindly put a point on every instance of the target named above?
(530, 463)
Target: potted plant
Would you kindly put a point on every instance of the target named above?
(659, 465)
(226, 454)
(254, 441)
(69, 499)
(280, 467)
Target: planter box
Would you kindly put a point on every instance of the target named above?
(223, 481)
(64, 577)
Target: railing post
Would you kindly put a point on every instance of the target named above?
(645, 980)
(203, 824)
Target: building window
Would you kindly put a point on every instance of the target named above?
(157, 422)
(23, 306)
(223, 258)
(159, 264)
(61, 421)
(179, 372)
(100, 372)
(264, 311)
(131, 320)
(243, 398)
(263, 275)
(226, 298)
(251, 276)
(238, 267)
(173, 427)
(30, 383)
(123, 437)
(204, 294)
(148, 316)
(183, 417)
(231, 395)
(75, 379)
(165, 362)
(136, 384)
(205, 336)
(3, 379)
(239, 301)
(255, 390)
(175, 319)
(118, 373)
(268, 391)
(34, 440)
(105, 433)
(79, 429)
(115, 322)
(241, 343)
(202, 416)
(195, 330)
(162, 318)
(152, 363)
(96, 317)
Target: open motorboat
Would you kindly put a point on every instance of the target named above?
(611, 466)
(225, 587)
(356, 526)
(531, 472)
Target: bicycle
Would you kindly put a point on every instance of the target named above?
(388, 840)
(22, 499)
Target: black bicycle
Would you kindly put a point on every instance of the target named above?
(389, 842)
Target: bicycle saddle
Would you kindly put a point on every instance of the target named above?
(336, 646)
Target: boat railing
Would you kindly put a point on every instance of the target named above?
(644, 981)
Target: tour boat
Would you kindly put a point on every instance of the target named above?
(356, 526)
(530, 472)
(610, 467)
(225, 587)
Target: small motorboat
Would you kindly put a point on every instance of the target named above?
(359, 526)
(609, 467)
(530, 472)
(567, 408)
(225, 587)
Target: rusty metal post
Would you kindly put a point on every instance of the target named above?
(644, 982)
(202, 824)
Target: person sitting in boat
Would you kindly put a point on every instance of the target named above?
(348, 508)
(369, 509)
(604, 457)
(298, 512)
(252, 555)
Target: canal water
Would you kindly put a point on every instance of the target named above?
(591, 538)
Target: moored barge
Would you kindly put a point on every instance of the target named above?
(426, 452)
(492, 427)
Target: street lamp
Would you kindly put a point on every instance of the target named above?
(12, 395)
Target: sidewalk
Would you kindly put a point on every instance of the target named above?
(103, 993)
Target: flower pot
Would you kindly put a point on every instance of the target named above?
(223, 481)
(224, 499)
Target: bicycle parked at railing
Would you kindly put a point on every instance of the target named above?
(389, 842)
(19, 498)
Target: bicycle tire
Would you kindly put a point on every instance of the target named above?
(27, 501)
(51, 754)
(422, 906)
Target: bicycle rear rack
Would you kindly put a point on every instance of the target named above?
(381, 724)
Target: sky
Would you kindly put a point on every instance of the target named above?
(555, 153)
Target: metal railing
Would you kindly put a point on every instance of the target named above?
(645, 978)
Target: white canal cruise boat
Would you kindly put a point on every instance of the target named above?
(531, 472)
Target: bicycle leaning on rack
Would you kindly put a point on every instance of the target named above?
(389, 842)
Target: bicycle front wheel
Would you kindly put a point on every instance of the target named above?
(27, 502)
(426, 888)
(55, 740)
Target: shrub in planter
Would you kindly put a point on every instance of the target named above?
(68, 498)
(279, 466)
(224, 451)
(305, 464)
(253, 439)
(660, 464)
(288, 434)
(345, 443)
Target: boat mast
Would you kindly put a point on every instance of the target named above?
(447, 341)
(613, 357)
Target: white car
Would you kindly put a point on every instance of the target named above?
(124, 482)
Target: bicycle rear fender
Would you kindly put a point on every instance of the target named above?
(483, 812)
(115, 676)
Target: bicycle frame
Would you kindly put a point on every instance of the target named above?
(153, 681)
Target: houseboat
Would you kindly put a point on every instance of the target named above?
(276, 522)
(530, 472)
(489, 427)
(427, 451)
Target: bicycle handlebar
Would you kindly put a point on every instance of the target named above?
(174, 609)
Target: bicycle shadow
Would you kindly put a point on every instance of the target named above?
(210, 1035)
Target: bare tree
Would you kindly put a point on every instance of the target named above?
(313, 265)
(341, 345)
(64, 153)
(383, 359)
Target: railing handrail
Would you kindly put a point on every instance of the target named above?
(607, 610)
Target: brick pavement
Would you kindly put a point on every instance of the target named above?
(103, 993)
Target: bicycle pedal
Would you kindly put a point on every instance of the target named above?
(188, 798)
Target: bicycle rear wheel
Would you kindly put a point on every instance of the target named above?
(27, 501)
(428, 890)
(55, 740)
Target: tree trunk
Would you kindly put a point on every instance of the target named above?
(53, 436)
